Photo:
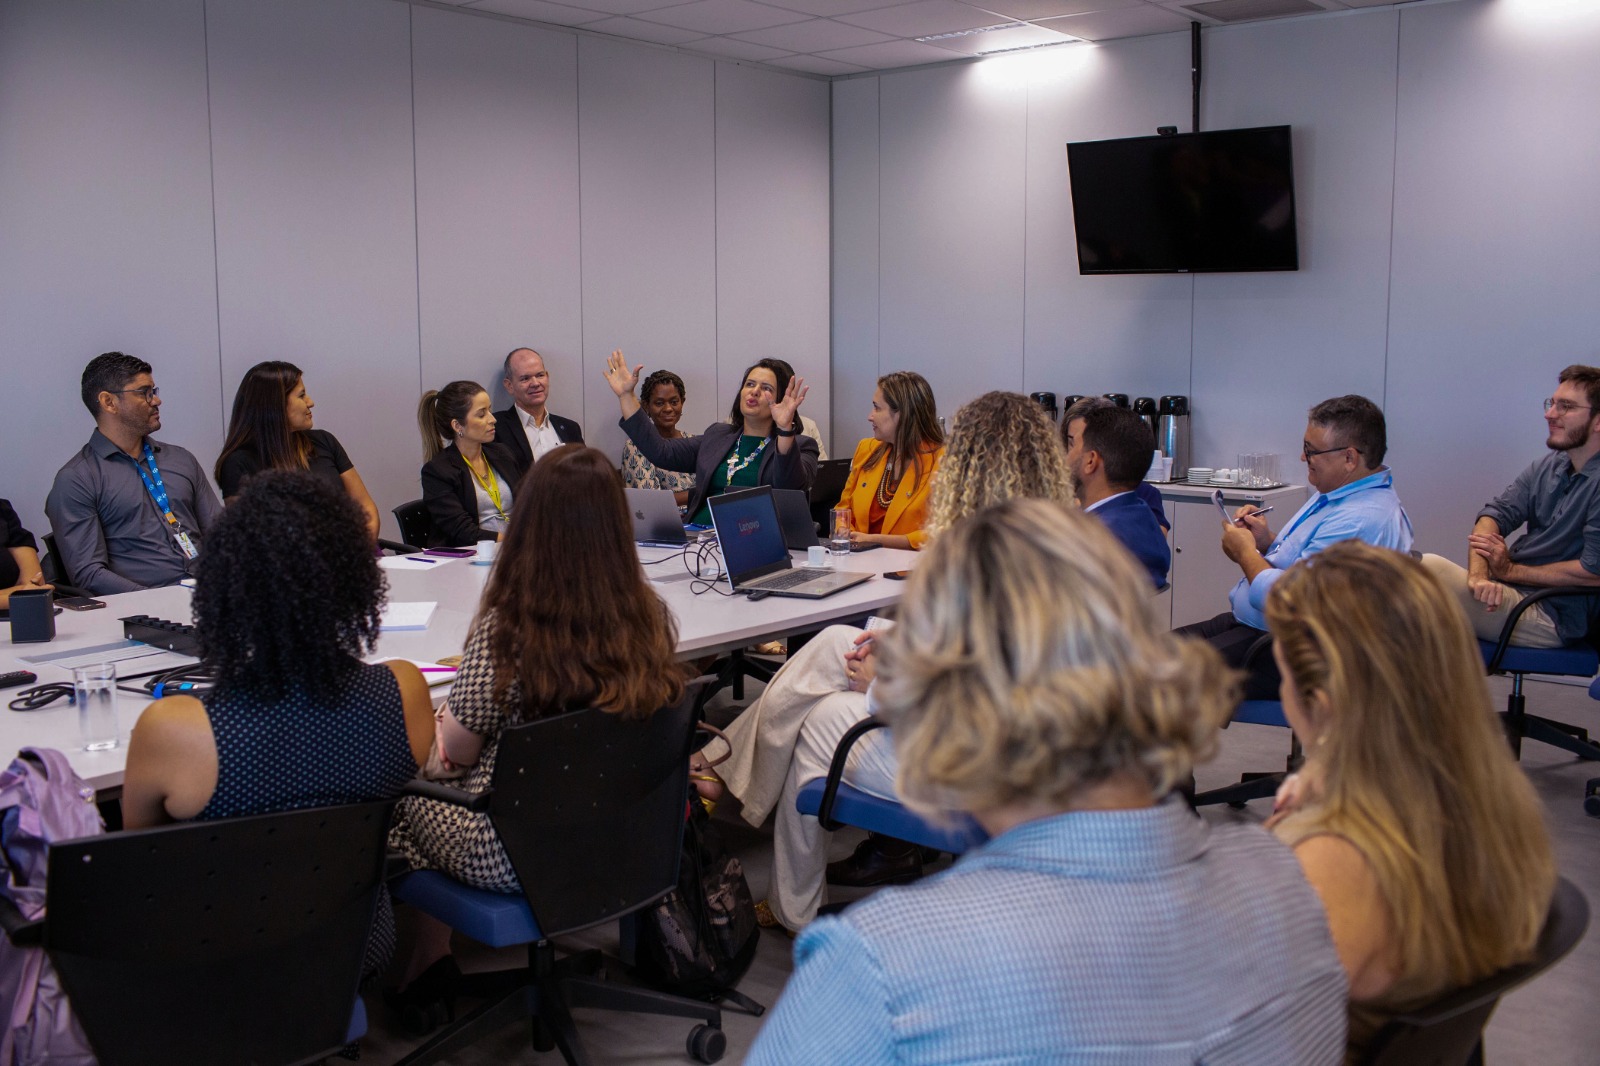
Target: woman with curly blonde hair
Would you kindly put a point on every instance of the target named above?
(1001, 446)
(1410, 815)
(1029, 686)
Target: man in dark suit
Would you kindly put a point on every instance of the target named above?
(1108, 451)
(527, 427)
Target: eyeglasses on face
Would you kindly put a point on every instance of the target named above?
(1306, 451)
(145, 392)
(1563, 408)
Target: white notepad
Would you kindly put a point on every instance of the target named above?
(403, 616)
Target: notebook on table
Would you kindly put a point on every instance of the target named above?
(656, 522)
(754, 555)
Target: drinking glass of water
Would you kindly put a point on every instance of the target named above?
(839, 537)
(95, 691)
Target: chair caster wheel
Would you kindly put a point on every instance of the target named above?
(1591, 798)
(706, 1044)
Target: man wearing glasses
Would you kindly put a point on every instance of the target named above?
(128, 512)
(1343, 450)
(1558, 499)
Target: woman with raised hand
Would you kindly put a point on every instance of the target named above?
(891, 476)
(1029, 685)
(1411, 817)
(468, 479)
(567, 621)
(270, 429)
(663, 396)
(761, 444)
(1002, 446)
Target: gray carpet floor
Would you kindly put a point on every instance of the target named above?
(1552, 1021)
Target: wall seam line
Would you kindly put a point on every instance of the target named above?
(211, 168)
(416, 197)
(1394, 183)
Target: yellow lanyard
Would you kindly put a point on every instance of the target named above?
(492, 486)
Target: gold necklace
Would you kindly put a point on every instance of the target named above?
(889, 484)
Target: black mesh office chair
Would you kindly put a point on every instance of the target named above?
(55, 571)
(416, 526)
(590, 808)
(230, 941)
(1449, 1031)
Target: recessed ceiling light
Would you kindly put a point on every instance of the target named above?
(969, 33)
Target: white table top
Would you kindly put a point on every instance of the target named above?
(707, 623)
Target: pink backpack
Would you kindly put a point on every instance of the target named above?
(41, 800)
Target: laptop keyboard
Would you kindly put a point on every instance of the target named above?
(787, 579)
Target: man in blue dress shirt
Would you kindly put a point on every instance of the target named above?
(1343, 449)
(1108, 451)
(1558, 499)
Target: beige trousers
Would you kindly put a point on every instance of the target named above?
(1535, 629)
(787, 738)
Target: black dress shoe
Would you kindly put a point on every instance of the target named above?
(877, 861)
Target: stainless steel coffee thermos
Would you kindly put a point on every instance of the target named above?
(1172, 433)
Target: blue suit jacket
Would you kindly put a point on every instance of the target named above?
(1133, 523)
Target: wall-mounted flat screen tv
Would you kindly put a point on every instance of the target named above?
(1214, 202)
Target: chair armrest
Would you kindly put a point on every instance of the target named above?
(19, 930)
(63, 590)
(1261, 646)
(397, 547)
(472, 801)
(1510, 624)
(841, 755)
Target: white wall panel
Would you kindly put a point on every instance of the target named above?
(105, 224)
(1091, 335)
(856, 366)
(316, 236)
(772, 229)
(497, 202)
(953, 148)
(1269, 345)
(646, 132)
(1496, 283)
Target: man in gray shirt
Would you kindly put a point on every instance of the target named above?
(128, 512)
(1558, 498)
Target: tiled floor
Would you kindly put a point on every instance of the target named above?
(1553, 1021)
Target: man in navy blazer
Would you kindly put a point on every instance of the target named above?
(527, 427)
(1108, 451)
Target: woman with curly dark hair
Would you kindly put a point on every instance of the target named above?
(296, 719)
(567, 621)
(664, 394)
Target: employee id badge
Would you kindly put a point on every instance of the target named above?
(186, 545)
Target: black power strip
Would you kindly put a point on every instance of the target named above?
(159, 633)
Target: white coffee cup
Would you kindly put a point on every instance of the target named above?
(486, 550)
(819, 555)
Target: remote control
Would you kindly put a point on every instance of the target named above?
(19, 677)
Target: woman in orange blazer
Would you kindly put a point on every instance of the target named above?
(892, 472)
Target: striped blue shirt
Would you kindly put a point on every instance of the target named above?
(1110, 938)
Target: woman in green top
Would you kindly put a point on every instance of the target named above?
(761, 444)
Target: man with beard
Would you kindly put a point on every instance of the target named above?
(1558, 499)
(128, 511)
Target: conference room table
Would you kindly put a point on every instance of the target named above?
(708, 623)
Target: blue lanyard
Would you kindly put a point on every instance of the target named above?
(157, 490)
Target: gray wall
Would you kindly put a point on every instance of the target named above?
(1445, 159)
(390, 197)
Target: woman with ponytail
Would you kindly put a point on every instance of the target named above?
(468, 479)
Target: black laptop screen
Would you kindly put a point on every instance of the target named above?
(748, 531)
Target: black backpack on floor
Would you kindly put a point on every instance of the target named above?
(700, 938)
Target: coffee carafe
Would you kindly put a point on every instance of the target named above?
(1145, 408)
(1047, 400)
(1172, 433)
(1118, 398)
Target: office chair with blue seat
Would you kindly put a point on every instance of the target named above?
(590, 809)
(836, 804)
(1256, 784)
(1449, 1031)
(1575, 660)
(240, 940)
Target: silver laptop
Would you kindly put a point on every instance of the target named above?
(656, 522)
(755, 556)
